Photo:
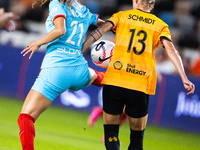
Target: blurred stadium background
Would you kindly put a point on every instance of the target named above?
(174, 117)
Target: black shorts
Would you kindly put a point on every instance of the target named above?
(115, 98)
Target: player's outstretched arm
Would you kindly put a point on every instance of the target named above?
(57, 32)
(177, 61)
(97, 34)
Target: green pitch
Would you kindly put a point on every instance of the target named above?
(61, 129)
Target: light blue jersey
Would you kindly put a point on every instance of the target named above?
(66, 50)
(64, 67)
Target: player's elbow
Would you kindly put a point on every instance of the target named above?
(61, 31)
(172, 52)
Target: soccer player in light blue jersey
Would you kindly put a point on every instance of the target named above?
(63, 67)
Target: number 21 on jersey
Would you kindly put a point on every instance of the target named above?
(75, 25)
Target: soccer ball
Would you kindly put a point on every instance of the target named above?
(102, 52)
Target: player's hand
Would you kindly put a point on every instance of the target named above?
(31, 48)
(10, 26)
(189, 86)
(5, 20)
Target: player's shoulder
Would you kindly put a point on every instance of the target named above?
(54, 2)
(156, 19)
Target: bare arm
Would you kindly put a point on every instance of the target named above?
(100, 22)
(57, 32)
(176, 60)
(96, 34)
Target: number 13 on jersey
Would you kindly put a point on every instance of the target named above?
(141, 36)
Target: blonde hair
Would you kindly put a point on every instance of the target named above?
(148, 4)
(42, 2)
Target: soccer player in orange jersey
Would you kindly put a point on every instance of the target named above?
(131, 75)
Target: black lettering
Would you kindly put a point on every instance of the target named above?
(146, 20)
(126, 69)
(130, 69)
(153, 22)
(133, 71)
(135, 17)
(150, 21)
(141, 18)
(130, 16)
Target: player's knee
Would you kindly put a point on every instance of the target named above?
(137, 124)
(111, 119)
(93, 75)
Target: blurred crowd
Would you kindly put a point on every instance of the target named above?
(182, 16)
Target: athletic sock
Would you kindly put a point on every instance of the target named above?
(100, 76)
(27, 131)
(111, 137)
(136, 140)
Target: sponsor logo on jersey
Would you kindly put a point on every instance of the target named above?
(70, 51)
(132, 69)
(141, 18)
(118, 65)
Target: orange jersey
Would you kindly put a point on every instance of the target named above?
(132, 65)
